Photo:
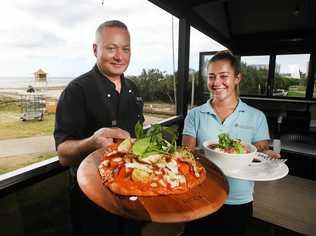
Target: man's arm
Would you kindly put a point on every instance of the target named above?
(71, 152)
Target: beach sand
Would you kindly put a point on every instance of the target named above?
(49, 92)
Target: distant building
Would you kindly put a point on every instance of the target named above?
(40, 75)
(287, 75)
(40, 80)
(265, 67)
(302, 74)
(260, 66)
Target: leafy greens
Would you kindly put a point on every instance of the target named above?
(226, 142)
(157, 140)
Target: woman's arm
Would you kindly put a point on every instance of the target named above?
(189, 142)
(263, 146)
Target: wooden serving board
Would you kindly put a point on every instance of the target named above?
(201, 201)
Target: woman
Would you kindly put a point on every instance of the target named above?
(226, 113)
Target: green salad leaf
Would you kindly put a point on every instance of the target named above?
(224, 141)
(157, 140)
(139, 131)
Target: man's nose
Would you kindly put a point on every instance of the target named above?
(118, 55)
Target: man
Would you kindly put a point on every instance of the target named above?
(93, 110)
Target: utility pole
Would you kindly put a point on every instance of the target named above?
(173, 65)
(192, 89)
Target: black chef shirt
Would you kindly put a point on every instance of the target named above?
(90, 102)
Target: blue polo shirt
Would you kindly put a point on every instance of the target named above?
(245, 123)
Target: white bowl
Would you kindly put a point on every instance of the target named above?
(228, 161)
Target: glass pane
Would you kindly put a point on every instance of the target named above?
(205, 59)
(48, 58)
(291, 75)
(254, 70)
(199, 42)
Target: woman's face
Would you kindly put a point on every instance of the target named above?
(222, 80)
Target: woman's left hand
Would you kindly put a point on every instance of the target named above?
(272, 154)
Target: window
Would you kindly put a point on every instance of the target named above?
(55, 48)
(200, 47)
(205, 59)
(254, 70)
(291, 75)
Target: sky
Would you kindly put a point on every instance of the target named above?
(57, 36)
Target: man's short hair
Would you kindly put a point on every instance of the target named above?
(227, 56)
(111, 23)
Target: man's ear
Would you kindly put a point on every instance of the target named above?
(95, 49)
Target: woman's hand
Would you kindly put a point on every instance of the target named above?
(263, 146)
(272, 154)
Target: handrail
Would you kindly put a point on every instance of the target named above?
(41, 170)
(288, 99)
(29, 174)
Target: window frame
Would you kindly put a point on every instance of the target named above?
(311, 76)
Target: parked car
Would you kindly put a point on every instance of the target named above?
(280, 92)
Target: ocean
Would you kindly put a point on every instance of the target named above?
(24, 82)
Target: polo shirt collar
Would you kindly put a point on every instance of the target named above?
(241, 107)
(207, 108)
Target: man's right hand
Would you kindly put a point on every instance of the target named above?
(105, 136)
(71, 152)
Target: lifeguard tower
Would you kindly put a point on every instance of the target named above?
(40, 79)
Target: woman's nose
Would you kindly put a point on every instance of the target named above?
(217, 80)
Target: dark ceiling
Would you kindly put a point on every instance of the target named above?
(248, 26)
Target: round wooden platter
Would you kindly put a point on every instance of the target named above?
(201, 201)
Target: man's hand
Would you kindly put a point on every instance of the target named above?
(105, 136)
(71, 152)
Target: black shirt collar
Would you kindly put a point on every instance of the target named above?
(107, 80)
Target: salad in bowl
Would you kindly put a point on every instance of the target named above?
(228, 153)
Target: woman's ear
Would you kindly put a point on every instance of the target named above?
(238, 78)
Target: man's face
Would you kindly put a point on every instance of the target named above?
(222, 80)
(113, 51)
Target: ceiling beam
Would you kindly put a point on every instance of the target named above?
(289, 36)
(200, 24)
(181, 9)
(195, 3)
(228, 19)
(173, 7)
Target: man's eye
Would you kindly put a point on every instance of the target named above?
(111, 48)
(211, 77)
(224, 77)
(126, 49)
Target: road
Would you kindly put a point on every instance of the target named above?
(16, 147)
(39, 144)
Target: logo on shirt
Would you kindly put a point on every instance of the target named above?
(245, 127)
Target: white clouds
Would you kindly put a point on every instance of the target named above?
(58, 35)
